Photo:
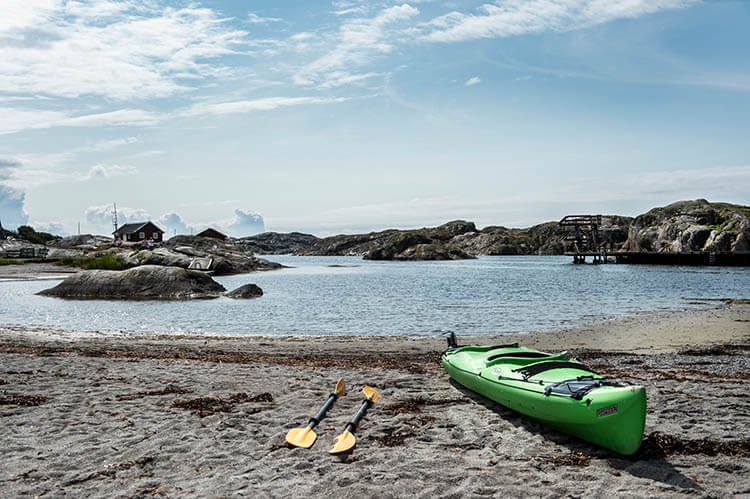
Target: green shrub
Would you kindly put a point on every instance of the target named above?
(104, 262)
(29, 234)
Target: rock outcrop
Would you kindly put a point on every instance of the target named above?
(418, 244)
(86, 242)
(246, 291)
(460, 239)
(691, 226)
(275, 243)
(148, 282)
(230, 256)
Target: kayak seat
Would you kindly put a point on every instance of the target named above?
(540, 367)
(520, 359)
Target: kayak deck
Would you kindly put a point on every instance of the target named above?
(560, 392)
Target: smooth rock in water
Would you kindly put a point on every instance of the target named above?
(246, 291)
(147, 282)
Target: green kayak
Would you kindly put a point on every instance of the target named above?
(560, 392)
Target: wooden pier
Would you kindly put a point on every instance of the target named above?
(583, 235)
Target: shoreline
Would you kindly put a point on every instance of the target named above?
(644, 332)
(89, 414)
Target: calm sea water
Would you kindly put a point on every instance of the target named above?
(351, 296)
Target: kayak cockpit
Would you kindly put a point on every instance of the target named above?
(477, 359)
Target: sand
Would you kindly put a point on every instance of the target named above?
(88, 414)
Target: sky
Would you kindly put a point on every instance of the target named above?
(348, 116)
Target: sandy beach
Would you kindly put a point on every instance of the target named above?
(89, 414)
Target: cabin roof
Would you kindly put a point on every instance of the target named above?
(135, 227)
(211, 232)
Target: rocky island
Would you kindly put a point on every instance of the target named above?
(684, 226)
(147, 282)
(680, 227)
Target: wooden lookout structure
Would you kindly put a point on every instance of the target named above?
(583, 239)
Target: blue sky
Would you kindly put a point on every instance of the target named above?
(348, 116)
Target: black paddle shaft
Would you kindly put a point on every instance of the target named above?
(352, 425)
(322, 412)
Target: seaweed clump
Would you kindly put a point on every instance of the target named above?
(206, 406)
(659, 445)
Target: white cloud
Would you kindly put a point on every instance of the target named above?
(721, 183)
(472, 81)
(12, 213)
(266, 104)
(14, 120)
(99, 218)
(351, 10)
(121, 117)
(519, 17)
(254, 18)
(106, 171)
(244, 223)
(357, 41)
(174, 224)
(341, 78)
(305, 35)
(54, 228)
(105, 145)
(120, 50)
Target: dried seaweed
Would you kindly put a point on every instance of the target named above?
(206, 406)
(22, 400)
(572, 459)
(694, 375)
(110, 471)
(659, 445)
(169, 389)
(588, 354)
(726, 349)
(416, 405)
(415, 363)
(393, 438)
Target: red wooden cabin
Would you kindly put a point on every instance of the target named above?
(140, 231)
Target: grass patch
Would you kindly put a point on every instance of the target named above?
(104, 262)
(11, 261)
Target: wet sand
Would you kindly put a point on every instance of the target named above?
(88, 414)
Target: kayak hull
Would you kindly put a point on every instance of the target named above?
(611, 416)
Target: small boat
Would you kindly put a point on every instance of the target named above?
(559, 392)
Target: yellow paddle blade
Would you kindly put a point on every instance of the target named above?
(371, 393)
(340, 388)
(344, 442)
(301, 437)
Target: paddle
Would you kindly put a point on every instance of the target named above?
(305, 437)
(346, 440)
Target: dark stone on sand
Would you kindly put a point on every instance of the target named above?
(246, 291)
(147, 282)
